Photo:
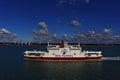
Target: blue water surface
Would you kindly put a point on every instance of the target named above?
(14, 67)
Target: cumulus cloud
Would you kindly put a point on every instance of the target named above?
(105, 36)
(65, 35)
(6, 36)
(87, 1)
(43, 25)
(44, 29)
(3, 30)
(55, 35)
(75, 23)
(107, 30)
(42, 34)
(54, 38)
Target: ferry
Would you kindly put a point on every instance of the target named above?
(62, 52)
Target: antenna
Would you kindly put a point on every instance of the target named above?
(48, 43)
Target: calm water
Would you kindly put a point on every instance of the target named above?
(13, 66)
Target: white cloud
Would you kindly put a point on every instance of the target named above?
(14, 34)
(107, 30)
(44, 29)
(6, 35)
(44, 32)
(55, 35)
(3, 30)
(65, 35)
(75, 23)
(43, 25)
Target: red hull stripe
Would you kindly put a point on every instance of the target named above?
(62, 58)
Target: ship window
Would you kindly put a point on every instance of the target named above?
(31, 53)
(53, 53)
(74, 53)
(86, 54)
(89, 54)
(42, 53)
(37, 54)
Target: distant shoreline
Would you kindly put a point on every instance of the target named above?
(34, 43)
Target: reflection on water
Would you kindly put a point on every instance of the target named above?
(83, 70)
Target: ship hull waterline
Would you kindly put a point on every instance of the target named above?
(62, 58)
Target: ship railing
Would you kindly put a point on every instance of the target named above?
(53, 48)
(74, 48)
(92, 52)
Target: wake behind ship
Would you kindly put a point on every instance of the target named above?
(64, 52)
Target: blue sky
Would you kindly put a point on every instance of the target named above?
(61, 17)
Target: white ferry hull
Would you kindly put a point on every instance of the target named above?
(61, 58)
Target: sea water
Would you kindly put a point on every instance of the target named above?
(14, 67)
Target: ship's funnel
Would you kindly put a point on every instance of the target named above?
(62, 44)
